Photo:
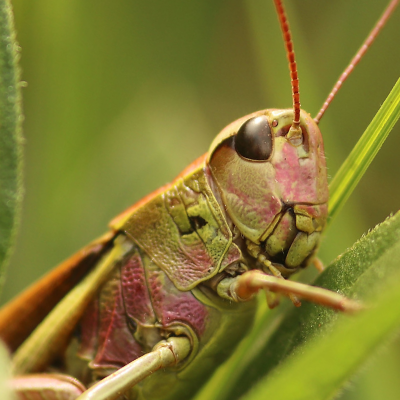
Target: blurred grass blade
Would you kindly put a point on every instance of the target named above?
(351, 171)
(365, 271)
(10, 133)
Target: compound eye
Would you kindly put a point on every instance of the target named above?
(254, 139)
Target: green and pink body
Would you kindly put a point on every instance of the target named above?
(211, 224)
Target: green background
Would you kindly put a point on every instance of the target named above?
(123, 95)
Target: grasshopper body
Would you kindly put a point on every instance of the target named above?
(189, 238)
(149, 298)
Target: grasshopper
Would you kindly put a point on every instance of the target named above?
(181, 266)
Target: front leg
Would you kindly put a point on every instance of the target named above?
(245, 286)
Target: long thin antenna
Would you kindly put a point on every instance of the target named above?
(356, 59)
(295, 130)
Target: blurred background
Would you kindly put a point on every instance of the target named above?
(121, 96)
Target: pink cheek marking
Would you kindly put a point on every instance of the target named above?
(297, 180)
(258, 198)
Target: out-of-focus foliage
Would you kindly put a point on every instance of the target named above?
(5, 374)
(123, 96)
(10, 135)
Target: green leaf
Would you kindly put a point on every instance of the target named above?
(10, 134)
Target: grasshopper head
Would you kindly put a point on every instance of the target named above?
(273, 184)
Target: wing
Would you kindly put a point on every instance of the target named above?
(20, 316)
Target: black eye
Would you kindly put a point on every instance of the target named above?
(254, 139)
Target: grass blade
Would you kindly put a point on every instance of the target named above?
(354, 167)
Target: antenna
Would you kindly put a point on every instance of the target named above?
(356, 59)
(295, 130)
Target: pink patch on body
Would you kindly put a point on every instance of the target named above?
(194, 265)
(89, 328)
(173, 306)
(135, 293)
(117, 346)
